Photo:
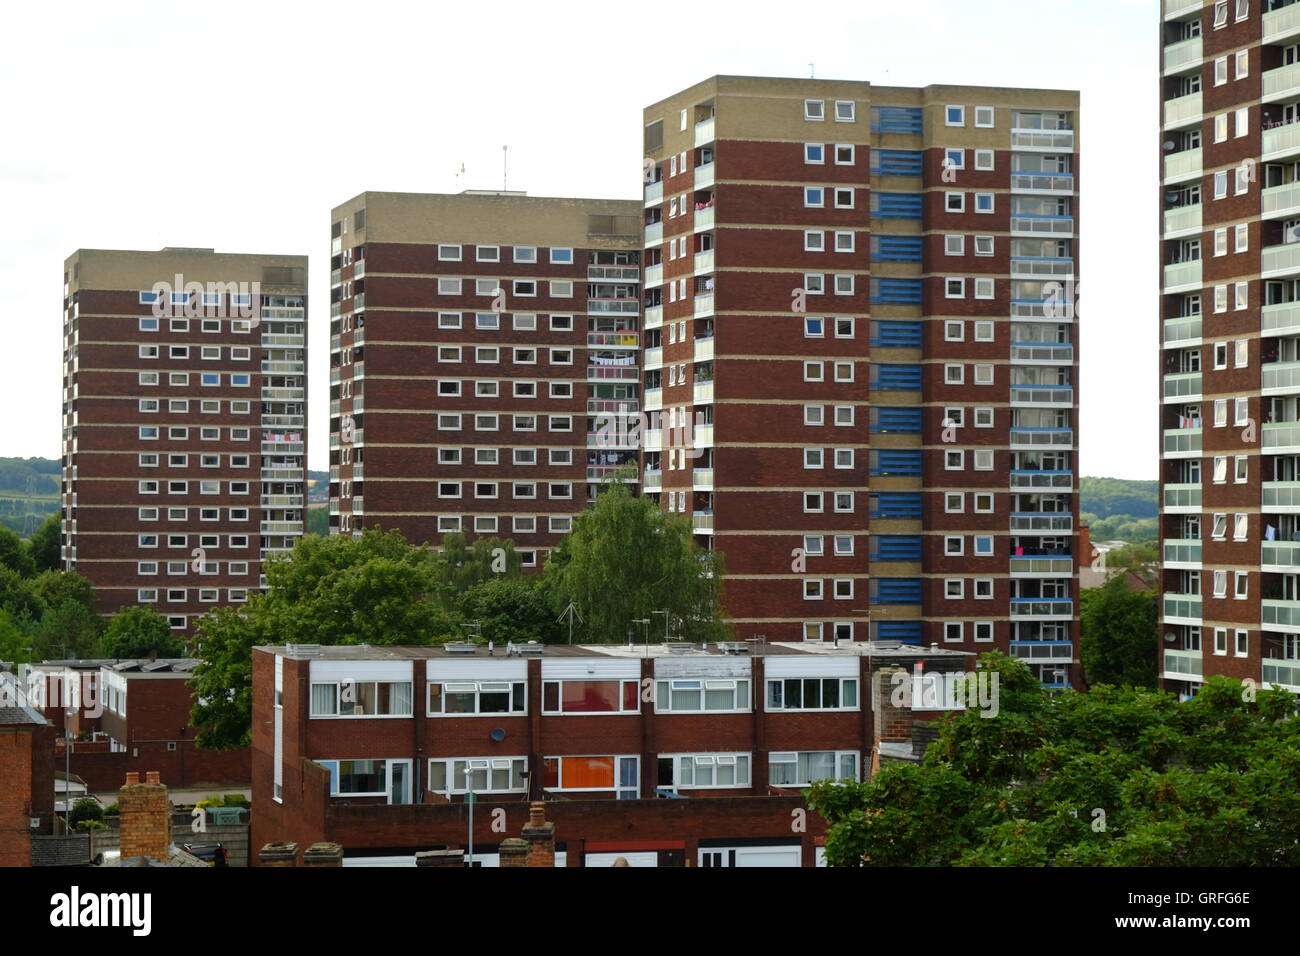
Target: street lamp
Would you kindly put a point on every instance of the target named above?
(666, 620)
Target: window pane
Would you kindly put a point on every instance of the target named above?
(850, 693)
(719, 699)
(494, 702)
(592, 773)
(324, 699)
(459, 702)
(437, 775)
(811, 692)
(830, 693)
(793, 693)
(590, 695)
(685, 699)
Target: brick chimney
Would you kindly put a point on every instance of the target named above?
(1084, 557)
(278, 854)
(323, 854)
(893, 723)
(146, 817)
(513, 852)
(540, 836)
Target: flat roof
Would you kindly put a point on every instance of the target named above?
(454, 651)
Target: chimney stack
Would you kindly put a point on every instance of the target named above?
(146, 818)
(893, 723)
(540, 836)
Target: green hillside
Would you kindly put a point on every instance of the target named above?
(1119, 508)
(29, 492)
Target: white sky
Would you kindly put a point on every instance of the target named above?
(239, 125)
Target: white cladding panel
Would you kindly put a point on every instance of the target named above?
(591, 668)
(478, 669)
(685, 668)
(361, 670)
(790, 665)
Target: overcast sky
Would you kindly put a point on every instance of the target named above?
(239, 125)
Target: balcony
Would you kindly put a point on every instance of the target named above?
(1024, 480)
(652, 480)
(1280, 378)
(1055, 227)
(702, 479)
(1182, 220)
(1182, 552)
(1049, 183)
(1042, 567)
(1182, 608)
(654, 193)
(1278, 25)
(1046, 140)
(612, 406)
(1184, 276)
(1182, 386)
(1183, 55)
(704, 350)
(1282, 83)
(702, 522)
(654, 275)
(613, 306)
(704, 132)
(654, 399)
(704, 176)
(1035, 354)
(1184, 330)
(704, 218)
(654, 317)
(270, 340)
(613, 273)
(702, 436)
(1280, 556)
(1042, 609)
(1041, 523)
(1281, 141)
(1183, 442)
(704, 262)
(654, 234)
(653, 357)
(1183, 665)
(613, 373)
(1183, 165)
(1280, 615)
(613, 340)
(703, 393)
(1043, 652)
(1183, 110)
(1281, 496)
(1029, 439)
(1041, 396)
(281, 527)
(1284, 674)
(1282, 436)
(1042, 268)
(1280, 319)
(1280, 260)
(703, 305)
(1183, 498)
(652, 439)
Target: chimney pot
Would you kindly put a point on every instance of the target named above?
(152, 777)
(132, 778)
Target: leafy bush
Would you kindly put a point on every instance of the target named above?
(86, 809)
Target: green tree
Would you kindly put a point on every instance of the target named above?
(318, 521)
(86, 809)
(461, 567)
(15, 645)
(1142, 558)
(510, 609)
(136, 631)
(223, 678)
(69, 629)
(1114, 777)
(19, 598)
(45, 544)
(625, 559)
(55, 587)
(13, 554)
(1120, 634)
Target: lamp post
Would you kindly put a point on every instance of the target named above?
(469, 798)
(666, 620)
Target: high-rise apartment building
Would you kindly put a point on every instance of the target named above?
(1229, 365)
(478, 341)
(862, 299)
(184, 423)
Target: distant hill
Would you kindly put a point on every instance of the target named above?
(29, 492)
(1119, 508)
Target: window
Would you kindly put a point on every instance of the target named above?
(1240, 585)
(561, 256)
(812, 457)
(814, 110)
(1242, 125)
(814, 415)
(843, 198)
(1220, 470)
(1242, 473)
(983, 502)
(954, 202)
(954, 116)
(954, 288)
(844, 111)
(954, 460)
(487, 253)
(449, 253)
(1241, 238)
(593, 773)
(814, 240)
(1240, 526)
(843, 285)
(479, 774)
(812, 693)
(983, 327)
(1221, 184)
(983, 287)
(845, 154)
(954, 158)
(361, 699)
(707, 771)
(844, 242)
(802, 768)
(954, 245)
(983, 374)
(1241, 644)
(954, 374)
(1240, 301)
(448, 286)
(1220, 530)
(983, 245)
(464, 698)
(1241, 411)
(813, 371)
(814, 196)
(591, 696)
(1243, 9)
(487, 320)
(701, 696)
(814, 153)
(984, 202)
(954, 589)
(954, 545)
(843, 371)
(1220, 584)
(1221, 127)
(984, 117)
(813, 589)
(448, 320)
(983, 457)
(954, 502)
(525, 253)
(1241, 63)
(812, 502)
(983, 545)
(984, 588)
(984, 159)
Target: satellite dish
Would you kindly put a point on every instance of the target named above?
(1172, 197)
(1171, 637)
(497, 734)
(1169, 145)
(1293, 234)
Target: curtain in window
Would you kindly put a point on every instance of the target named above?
(594, 773)
(816, 765)
(401, 699)
(324, 699)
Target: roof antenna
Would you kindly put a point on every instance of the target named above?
(505, 156)
(459, 174)
(812, 72)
